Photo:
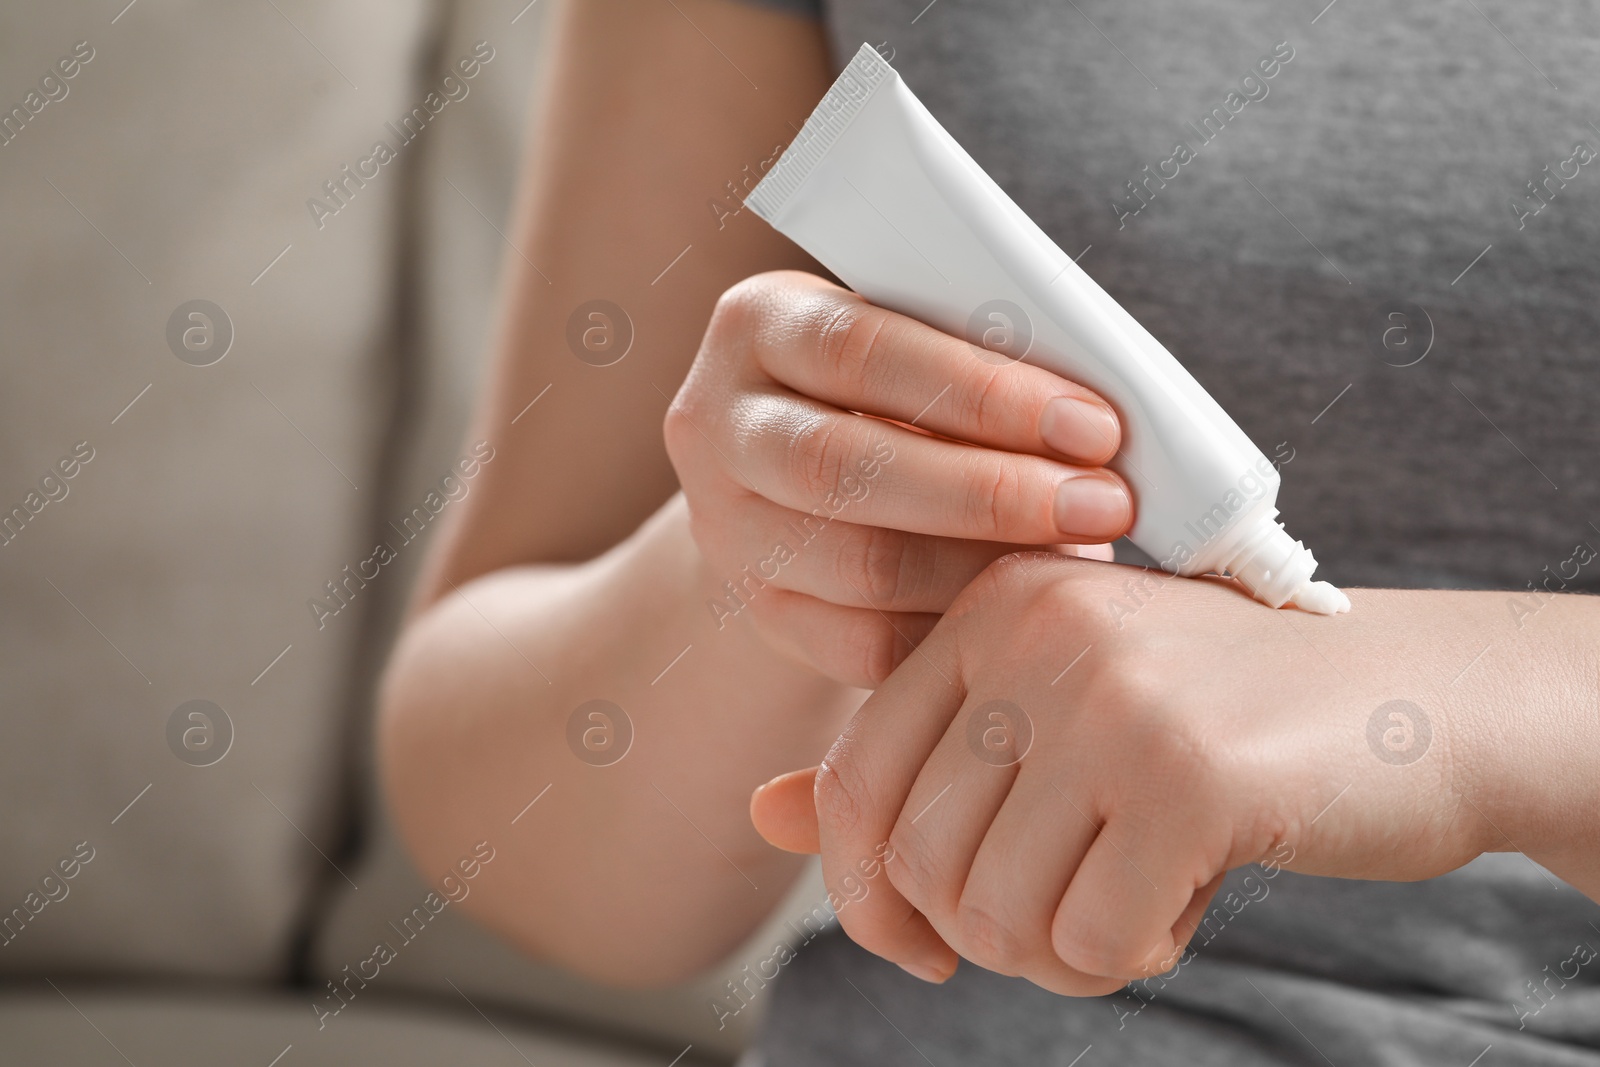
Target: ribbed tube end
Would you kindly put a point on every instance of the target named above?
(1277, 570)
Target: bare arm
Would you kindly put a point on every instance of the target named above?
(644, 119)
(816, 539)
(648, 869)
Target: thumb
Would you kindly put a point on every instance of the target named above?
(785, 814)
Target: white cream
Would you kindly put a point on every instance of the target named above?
(881, 195)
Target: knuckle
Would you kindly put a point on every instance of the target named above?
(872, 562)
(1074, 595)
(1042, 597)
(990, 941)
(819, 456)
(841, 793)
(1060, 595)
(1012, 570)
(738, 312)
(996, 493)
(985, 407)
(918, 879)
(996, 583)
(850, 344)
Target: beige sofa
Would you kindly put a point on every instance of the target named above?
(239, 340)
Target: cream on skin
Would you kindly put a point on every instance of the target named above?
(878, 192)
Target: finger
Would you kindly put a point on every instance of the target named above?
(856, 646)
(843, 562)
(1188, 924)
(1120, 914)
(1017, 879)
(860, 792)
(946, 816)
(831, 463)
(784, 813)
(853, 355)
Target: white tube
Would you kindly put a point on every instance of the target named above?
(881, 195)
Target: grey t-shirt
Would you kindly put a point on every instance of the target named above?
(1385, 256)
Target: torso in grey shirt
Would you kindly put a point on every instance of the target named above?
(1385, 169)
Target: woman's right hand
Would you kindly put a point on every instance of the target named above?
(826, 515)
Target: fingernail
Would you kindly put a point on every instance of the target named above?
(1092, 506)
(927, 974)
(1082, 429)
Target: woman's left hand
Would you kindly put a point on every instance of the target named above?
(1072, 760)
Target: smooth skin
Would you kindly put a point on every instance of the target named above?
(571, 574)
(579, 569)
(1201, 733)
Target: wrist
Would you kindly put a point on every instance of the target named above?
(1536, 772)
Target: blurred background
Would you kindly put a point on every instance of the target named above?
(240, 341)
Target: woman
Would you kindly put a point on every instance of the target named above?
(1333, 256)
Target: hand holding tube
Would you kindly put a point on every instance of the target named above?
(849, 470)
(880, 193)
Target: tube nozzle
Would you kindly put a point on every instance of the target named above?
(1277, 570)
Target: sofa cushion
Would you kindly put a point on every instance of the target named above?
(186, 1027)
(221, 464)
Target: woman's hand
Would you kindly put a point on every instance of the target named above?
(841, 527)
(1079, 752)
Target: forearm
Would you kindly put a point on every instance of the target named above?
(604, 251)
(642, 870)
(1539, 751)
